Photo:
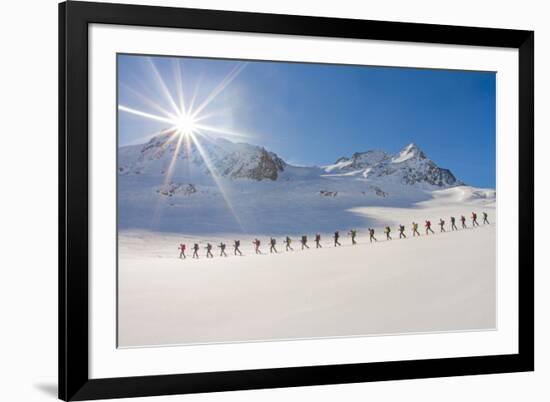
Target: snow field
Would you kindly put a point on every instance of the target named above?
(444, 282)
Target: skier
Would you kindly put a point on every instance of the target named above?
(209, 251)
(336, 237)
(222, 249)
(453, 225)
(402, 232)
(371, 235)
(485, 220)
(236, 245)
(387, 231)
(474, 219)
(257, 243)
(272, 243)
(318, 241)
(182, 250)
(441, 225)
(463, 220)
(304, 242)
(428, 227)
(195, 250)
(415, 229)
(353, 234)
(288, 240)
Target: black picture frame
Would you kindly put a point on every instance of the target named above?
(74, 381)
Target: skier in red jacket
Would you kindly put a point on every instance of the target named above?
(474, 219)
(428, 227)
(182, 250)
(257, 243)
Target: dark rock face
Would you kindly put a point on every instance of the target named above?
(431, 174)
(260, 165)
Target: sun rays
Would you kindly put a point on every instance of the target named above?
(186, 123)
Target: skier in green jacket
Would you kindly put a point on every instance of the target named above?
(353, 234)
(415, 229)
(387, 231)
(288, 240)
(304, 242)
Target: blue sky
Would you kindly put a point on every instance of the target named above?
(312, 114)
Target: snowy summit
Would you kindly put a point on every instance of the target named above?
(245, 161)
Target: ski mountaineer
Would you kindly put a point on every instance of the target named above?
(415, 229)
(387, 231)
(236, 245)
(463, 220)
(272, 243)
(371, 235)
(453, 225)
(428, 227)
(336, 237)
(441, 225)
(195, 250)
(222, 249)
(209, 251)
(304, 242)
(288, 240)
(485, 220)
(318, 241)
(474, 219)
(182, 250)
(257, 243)
(402, 232)
(353, 234)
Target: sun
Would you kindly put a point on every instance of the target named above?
(185, 123)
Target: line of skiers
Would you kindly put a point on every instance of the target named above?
(336, 237)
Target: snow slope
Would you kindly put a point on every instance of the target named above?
(444, 282)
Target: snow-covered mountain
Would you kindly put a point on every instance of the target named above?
(410, 166)
(228, 159)
(244, 161)
(168, 187)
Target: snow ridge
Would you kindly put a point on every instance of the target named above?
(165, 152)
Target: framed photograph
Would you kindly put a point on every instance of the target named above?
(258, 201)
